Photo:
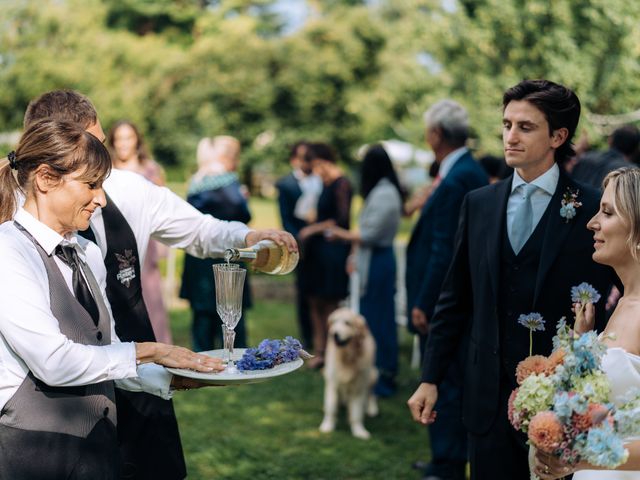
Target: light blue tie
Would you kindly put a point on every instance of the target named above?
(522, 220)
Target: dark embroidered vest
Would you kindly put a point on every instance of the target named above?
(518, 275)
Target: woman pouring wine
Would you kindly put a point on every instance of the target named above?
(59, 354)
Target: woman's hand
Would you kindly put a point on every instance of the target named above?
(176, 357)
(337, 233)
(305, 233)
(550, 467)
(315, 229)
(585, 317)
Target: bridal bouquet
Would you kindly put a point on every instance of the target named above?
(563, 403)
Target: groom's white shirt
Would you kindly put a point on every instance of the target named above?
(546, 183)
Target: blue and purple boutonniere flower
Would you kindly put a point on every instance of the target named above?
(570, 204)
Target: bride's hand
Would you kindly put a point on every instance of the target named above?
(549, 467)
(585, 317)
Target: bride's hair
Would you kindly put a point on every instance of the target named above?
(626, 197)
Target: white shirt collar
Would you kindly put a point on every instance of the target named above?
(547, 181)
(450, 160)
(298, 174)
(48, 238)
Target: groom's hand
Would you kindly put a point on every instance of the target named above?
(419, 320)
(422, 402)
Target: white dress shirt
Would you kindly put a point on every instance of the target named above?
(546, 183)
(449, 161)
(157, 212)
(307, 204)
(30, 336)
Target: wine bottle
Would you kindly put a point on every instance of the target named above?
(265, 256)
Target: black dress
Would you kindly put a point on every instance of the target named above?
(326, 261)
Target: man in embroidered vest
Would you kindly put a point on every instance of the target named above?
(516, 251)
(137, 210)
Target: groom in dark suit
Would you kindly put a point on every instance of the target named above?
(429, 253)
(516, 252)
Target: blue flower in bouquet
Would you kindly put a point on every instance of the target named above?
(604, 447)
(565, 404)
(534, 322)
(563, 338)
(584, 293)
(588, 351)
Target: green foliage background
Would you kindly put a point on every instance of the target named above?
(354, 73)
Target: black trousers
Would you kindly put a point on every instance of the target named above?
(502, 452)
(33, 455)
(148, 437)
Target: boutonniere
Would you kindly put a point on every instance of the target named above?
(569, 204)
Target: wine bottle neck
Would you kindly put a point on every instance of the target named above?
(233, 254)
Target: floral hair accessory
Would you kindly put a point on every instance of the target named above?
(12, 160)
(584, 293)
(569, 204)
(534, 322)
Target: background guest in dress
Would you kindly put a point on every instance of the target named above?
(429, 253)
(375, 260)
(215, 189)
(593, 166)
(325, 261)
(298, 194)
(128, 152)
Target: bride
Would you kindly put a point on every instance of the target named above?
(616, 233)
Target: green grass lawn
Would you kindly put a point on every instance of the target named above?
(270, 430)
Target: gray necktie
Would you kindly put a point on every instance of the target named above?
(522, 220)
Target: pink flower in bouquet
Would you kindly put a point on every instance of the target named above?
(595, 414)
(555, 359)
(532, 365)
(545, 431)
(512, 413)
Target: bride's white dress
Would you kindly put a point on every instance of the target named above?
(623, 370)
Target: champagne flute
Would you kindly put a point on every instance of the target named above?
(229, 281)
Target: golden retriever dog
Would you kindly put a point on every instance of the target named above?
(349, 371)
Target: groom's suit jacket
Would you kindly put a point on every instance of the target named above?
(470, 304)
(289, 192)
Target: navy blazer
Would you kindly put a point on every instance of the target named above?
(468, 303)
(288, 194)
(430, 248)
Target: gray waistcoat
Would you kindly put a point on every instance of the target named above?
(69, 410)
